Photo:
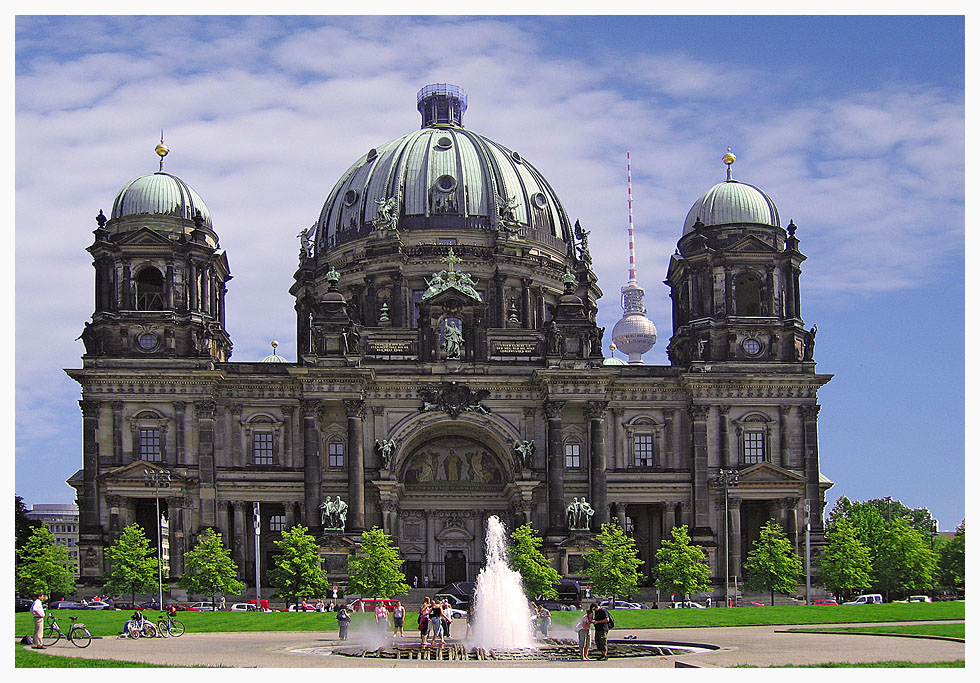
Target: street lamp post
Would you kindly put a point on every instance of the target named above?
(725, 479)
(806, 510)
(156, 479)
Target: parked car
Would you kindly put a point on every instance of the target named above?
(95, 604)
(22, 605)
(687, 604)
(150, 605)
(202, 606)
(620, 604)
(181, 607)
(750, 603)
(243, 607)
(127, 606)
(869, 599)
(556, 606)
(823, 601)
(371, 604)
(66, 604)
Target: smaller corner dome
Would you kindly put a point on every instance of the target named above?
(612, 360)
(160, 194)
(273, 358)
(732, 202)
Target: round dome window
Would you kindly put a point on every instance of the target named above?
(539, 200)
(350, 197)
(372, 154)
(516, 157)
(444, 143)
(446, 183)
(147, 341)
(752, 347)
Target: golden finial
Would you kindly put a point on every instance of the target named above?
(274, 345)
(729, 159)
(162, 150)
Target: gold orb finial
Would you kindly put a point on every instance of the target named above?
(161, 149)
(274, 343)
(729, 158)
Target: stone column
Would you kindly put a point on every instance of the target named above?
(175, 534)
(239, 509)
(205, 411)
(288, 457)
(526, 302)
(808, 414)
(725, 455)
(621, 515)
(670, 459)
(784, 459)
(235, 434)
(619, 439)
(596, 413)
(556, 469)
(397, 304)
(88, 508)
(355, 464)
(179, 456)
(787, 517)
(117, 432)
(735, 522)
(312, 467)
(669, 518)
(699, 468)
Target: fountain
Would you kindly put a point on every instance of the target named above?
(502, 615)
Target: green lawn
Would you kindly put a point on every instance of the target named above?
(946, 630)
(26, 659)
(108, 623)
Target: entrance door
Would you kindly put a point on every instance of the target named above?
(455, 566)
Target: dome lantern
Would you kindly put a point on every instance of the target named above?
(441, 104)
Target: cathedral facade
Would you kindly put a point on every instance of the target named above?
(449, 368)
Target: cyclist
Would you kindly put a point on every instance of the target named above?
(135, 622)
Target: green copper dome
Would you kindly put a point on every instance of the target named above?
(160, 194)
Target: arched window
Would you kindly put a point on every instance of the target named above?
(748, 295)
(149, 290)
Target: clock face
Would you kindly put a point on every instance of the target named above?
(751, 347)
(147, 341)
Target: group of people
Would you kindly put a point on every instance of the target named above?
(435, 619)
(318, 606)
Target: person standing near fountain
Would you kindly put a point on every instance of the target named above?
(584, 635)
(600, 619)
(447, 618)
(398, 617)
(343, 621)
(435, 618)
(424, 621)
(544, 620)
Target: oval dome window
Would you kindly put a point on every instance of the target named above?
(446, 183)
(444, 143)
(350, 197)
(539, 200)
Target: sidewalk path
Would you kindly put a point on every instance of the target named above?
(744, 645)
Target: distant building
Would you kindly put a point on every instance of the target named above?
(62, 521)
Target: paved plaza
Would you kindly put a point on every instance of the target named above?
(748, 645)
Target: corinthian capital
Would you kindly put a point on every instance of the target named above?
(354, 407)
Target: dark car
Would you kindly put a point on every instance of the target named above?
(66, 604)
(823, 601)
(180, 607)
(22, 605)
(127, 606)
(750, 603)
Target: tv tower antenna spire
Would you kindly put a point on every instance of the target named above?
(629, 195)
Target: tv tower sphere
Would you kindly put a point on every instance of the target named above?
(634, 334)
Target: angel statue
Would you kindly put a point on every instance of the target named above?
(387, 214)
(385, 448)
(525, 453)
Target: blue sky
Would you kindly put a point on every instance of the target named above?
(853, 125)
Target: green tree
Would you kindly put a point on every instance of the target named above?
(296, 569)
(613, 567)
(43, 566)
(132, 565)
(526, 558)
(681, 567)
(904, 562)
(951, 566)
(772, 564)
(23, 525)
(846, 564)
(209, 568)
(376, 568)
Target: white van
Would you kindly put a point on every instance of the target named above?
(869, 599)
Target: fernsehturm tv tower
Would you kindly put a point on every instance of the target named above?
(635, 333)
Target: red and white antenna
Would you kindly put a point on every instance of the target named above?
(629, 193)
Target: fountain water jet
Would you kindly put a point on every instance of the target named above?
(503, 616)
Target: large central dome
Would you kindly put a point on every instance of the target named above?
(442, 177)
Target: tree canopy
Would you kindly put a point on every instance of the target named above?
(526, 558)
(24, 526)
(772, 564)
(132, 565)
(43, 566)
(297, 571)
(209, 568)
(375, 570)
(951, 568)
(846, 563)
(613, 568)
(681, 567)
(904, 562)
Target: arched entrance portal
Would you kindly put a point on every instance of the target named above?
(450, 483)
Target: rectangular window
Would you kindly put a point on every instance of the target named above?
(262, 448)
(573, 455)
(643, 450)
(448, 241)
(149, 445)
(335, 455)
(753, 447)
(277, 523)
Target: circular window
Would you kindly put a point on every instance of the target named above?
(372, 154)
(751, 347)
(444, 143)
(539, 200)
(516, 157)
(350, 197)
(147, 341)
(446, 183)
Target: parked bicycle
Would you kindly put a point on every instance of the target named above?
(78, 635)
(141, 627)
(168, 626)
